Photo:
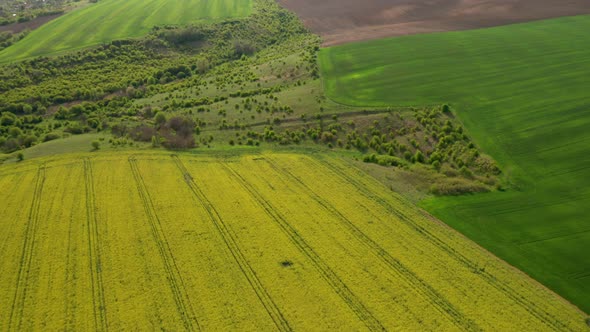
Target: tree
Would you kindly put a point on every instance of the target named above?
(418, 157)
(7, 119)
(95, 145)
(160, 119)
(202, 65)
(20, 156)
(15, 132)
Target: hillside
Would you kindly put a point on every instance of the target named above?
(242, 242)
(521, 92)
(207, 165)
(108, 20)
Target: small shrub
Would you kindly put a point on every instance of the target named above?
(50, 137)
(95, 145)
(407, 155)
(384, 160)
(418, 157)
(20, 156)
(466, 172)
(436, 164)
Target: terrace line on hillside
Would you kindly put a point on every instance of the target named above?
(251, 242)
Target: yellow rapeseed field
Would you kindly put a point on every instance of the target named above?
(262, 242)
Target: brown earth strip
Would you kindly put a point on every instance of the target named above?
(343, 21)
(30, 25)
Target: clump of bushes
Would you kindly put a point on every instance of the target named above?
(178, 133)
(456, 187)
(384, 160)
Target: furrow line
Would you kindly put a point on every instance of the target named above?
(271, 307)
(94, 255)
(173, 275)
(421, 286)
(525, 303)
(20, 292)
(70, 282)
(326, 272)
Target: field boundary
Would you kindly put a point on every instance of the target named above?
(423, 288)
(327, 273)
(94, 254)
(271, 307)
(175, 281)
(526, 304)
(20, 291)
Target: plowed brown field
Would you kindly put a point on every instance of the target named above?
(342, 21)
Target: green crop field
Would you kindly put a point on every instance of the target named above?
(250, 242)
(116, 19)
(522, 92)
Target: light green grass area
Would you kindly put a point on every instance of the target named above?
(523, 93)
(72, 144)
(116, 19)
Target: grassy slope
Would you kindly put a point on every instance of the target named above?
(522, 91)
(111, 19)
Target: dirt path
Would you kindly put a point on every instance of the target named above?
(342, 21)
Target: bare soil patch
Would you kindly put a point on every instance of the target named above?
(342, 21)
(31, 25)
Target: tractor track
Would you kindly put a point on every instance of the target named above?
(511, 293)
(422, 287)
(20, 292)
(326, 272)
(94, 254)
(175, 281)
(271, 307)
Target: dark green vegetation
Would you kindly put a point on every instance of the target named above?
(242, 82)
(522, 92)
(109, 20)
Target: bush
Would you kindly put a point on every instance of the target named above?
(384, 160)
(143, 133)
(29, 141)
(95, 145)
(456, 187)
(178, 133)
(418, 157)
(76, 129)
(7, 119)
(436, 164)
(20, 156)
(160, 119)
(466, 172)
(244, 47)
(155, 142)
